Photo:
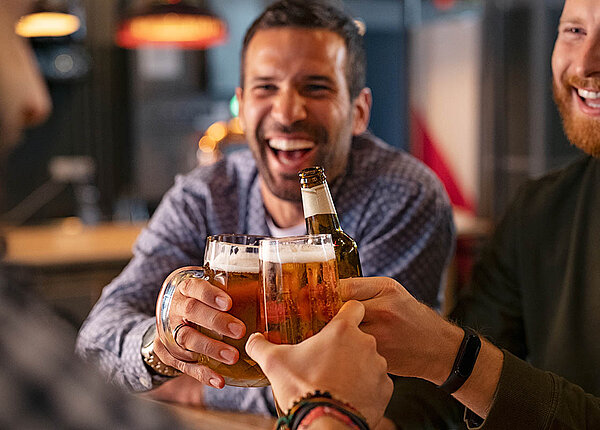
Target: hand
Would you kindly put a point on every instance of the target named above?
(183, 390)
(196, 302)
(340, 359)
(414, 339)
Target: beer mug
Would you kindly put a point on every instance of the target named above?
(230, 263)
(300, 282)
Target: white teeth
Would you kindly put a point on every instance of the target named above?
(592, 105)
(291, 144)
(588, 94)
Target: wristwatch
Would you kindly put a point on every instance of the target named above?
(464, 362)
(154, 364)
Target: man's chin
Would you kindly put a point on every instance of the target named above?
(584, 134)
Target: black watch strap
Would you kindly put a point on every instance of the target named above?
(464, 362)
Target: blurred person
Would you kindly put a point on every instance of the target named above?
(42, 384)
(502, 391)
(303, 102)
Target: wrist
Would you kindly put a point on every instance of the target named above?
(444, 353)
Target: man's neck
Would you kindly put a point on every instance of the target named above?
(283, 213)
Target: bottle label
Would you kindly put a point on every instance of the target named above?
(317, 200)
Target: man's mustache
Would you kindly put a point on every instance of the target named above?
(592, 84)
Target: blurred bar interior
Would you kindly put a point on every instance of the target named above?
(465, 85)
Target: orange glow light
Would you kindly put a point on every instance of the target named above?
(217, 131)
(186, 31)
(207, 144)
(47, 24)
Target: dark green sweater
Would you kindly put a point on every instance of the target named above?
(536, 291)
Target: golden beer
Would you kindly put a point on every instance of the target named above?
(300, 287)
(233, 267)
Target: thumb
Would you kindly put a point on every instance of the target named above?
(352, 312)
(257, 346)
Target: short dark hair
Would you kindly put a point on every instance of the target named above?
(316, 14)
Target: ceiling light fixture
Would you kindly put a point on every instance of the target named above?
(186, 24)
(48, 18)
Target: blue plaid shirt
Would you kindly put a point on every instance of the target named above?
(390, 203)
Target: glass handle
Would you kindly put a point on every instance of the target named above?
(163, 304)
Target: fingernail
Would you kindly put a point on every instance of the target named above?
(215, 383)
(235, 329)
(228, 355)
(221, 302)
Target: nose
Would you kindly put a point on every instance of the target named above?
(288, 107)
(588, 63)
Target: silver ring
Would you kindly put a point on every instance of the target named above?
(175, 334)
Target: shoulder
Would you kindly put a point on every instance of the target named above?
(385, 169)
(557, 189)
(232, 171)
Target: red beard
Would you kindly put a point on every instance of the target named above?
(581, 130)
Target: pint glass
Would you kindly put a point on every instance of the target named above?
(230, 263)
(300, 281)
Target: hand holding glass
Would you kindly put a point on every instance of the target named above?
(230, 263)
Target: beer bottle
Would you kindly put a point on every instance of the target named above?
(321, 218)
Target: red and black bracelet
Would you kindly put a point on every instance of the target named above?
(316, 405)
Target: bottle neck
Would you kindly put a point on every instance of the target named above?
(319, 211)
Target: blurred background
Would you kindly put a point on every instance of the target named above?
(465, 85)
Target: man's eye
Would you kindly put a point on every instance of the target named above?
(265, 87)
(316, 88)
(575, 31)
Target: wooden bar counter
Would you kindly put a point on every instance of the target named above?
(68, 263)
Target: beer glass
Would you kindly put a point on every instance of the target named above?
(300, 282)
(230, 263)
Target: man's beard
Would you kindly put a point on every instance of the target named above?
(582, 131)
(287, 187)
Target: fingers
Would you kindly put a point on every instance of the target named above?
(205, 292)
(358, 288)
(367, 288)
(192, 310)
(201, 373)
(258, 347)
(352, 311)
(190, 339)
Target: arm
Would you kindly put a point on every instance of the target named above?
(111, 336)
(503, 389)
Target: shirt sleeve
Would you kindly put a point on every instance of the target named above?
(111, 336)
(534, 399)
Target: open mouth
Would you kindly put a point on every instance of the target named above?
(590, 98)
(291, 152)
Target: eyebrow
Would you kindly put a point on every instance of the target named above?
(568, 20)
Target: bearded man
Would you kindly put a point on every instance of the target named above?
(536, 291)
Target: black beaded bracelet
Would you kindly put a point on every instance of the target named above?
(302, 408)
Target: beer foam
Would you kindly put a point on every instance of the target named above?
(242, 262)
(297, 254)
